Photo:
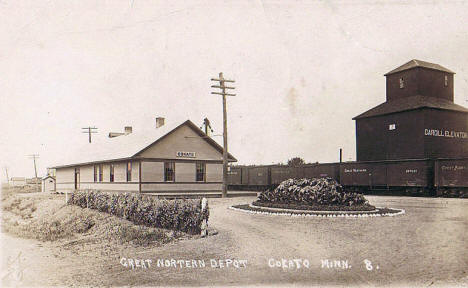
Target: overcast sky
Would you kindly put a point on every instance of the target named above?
(302, 70)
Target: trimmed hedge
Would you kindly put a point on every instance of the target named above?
(312, 192)
(182, 215)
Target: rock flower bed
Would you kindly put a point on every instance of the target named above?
(323, 197)
(313, 194)
(181, 215)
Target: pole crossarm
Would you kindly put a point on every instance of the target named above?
(223, 80)
(221, 87)
(220, 93)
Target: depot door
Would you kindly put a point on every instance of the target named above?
(77, 178)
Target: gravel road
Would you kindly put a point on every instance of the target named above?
(426, 246)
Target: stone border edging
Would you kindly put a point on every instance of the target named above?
(311, 211)
(323, 214)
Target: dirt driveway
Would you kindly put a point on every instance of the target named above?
(426, 246)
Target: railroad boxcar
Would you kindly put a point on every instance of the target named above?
(414, 176)
(245, 176)
(281, 173)
(362, 176)
(331, 170)
(451, 177)
(234, 176)
(259, 177)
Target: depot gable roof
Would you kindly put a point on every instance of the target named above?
(129, 146)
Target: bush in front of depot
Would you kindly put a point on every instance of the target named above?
(315, 192)
(184, 215)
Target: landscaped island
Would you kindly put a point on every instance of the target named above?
(313, 194)
(314, 197)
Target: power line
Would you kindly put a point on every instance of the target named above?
(90, 131)
(223, 88)
(204, 137)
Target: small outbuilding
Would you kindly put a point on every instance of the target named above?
(165, 161)
(48, 184)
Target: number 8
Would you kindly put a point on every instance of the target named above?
(368, 265)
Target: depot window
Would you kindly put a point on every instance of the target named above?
(201, 172)
(392, 127)
(95, 173)
(402, 83)
(446, 81)
(111, 172)
(169, 171)
(100, 172)
(129, 171)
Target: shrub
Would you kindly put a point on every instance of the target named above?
(321, 191)
(182, 215)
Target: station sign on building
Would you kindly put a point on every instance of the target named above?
(165, 161)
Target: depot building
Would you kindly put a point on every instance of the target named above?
(166, 161)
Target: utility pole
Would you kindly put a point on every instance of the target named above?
(223, 88)
(34, 157)
(6, 173)
(90, 131)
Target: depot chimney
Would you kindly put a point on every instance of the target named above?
(159, 122)
(128, 130)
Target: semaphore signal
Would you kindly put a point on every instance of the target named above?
(207, 125)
